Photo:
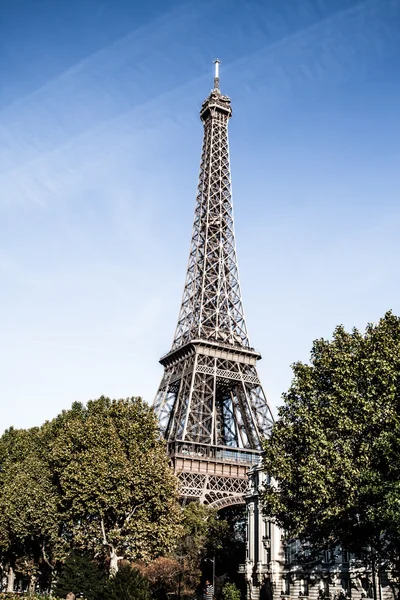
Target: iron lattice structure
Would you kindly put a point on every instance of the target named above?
(210, 404)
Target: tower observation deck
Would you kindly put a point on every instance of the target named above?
(210, 404)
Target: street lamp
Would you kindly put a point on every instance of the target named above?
(212, 560)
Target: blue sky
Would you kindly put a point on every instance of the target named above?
(100, 145)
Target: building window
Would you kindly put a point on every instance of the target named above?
(255, 481)
(324, 587)
(306, 550)
(345, 556)
(304, 587)
(268, 529)
(346, 587)
(286, 586)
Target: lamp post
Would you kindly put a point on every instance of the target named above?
(180, 558)
(212, 560)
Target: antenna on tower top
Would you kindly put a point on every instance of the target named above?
(216, 74)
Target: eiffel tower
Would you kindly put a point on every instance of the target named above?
(210, 404)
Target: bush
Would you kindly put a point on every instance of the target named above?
(127, 584)
(14, 596)
(230, 592)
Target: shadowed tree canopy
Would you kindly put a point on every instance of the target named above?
(203, 535)
(334, 453)
(209, 534)
(81, 576)
(128, 584)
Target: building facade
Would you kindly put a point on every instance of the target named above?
(276, 568)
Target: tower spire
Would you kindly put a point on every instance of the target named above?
(217, 62)
(210, 404)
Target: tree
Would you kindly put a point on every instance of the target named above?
(163, 575)
(29, 507)
(334, 454)
(82, 576)
(230, 592)
(203, 530)
(119, 494)
(127, 584)
(204, 534)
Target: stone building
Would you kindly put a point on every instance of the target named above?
(276, 569)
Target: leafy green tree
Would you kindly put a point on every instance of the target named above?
(334, 453)
(29, 507)
(203, 531)
(119, 494)
(203, 536)
(127, 584)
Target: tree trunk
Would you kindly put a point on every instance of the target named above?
(113, 562)
(114, 558)
(10, 579)
(31, 588)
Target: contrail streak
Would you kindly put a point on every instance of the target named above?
(171, 16)
(155, 101)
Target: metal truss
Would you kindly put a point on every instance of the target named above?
(212, 303)
(211, 400)
(210, 393)
(217, 492)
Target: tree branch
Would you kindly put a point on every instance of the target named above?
(130, 515)
(103, 531)
(46, 560)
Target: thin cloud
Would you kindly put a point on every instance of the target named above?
(325, 49)
(130, 39)
(332, 59)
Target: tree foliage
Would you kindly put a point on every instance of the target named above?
(29, 506)
(81, 576)
(206, 535)
(230, 592)
(163, 575)
(232, 548)
(119, 494)
(334, 453)
(96, 480)
(127, 584)
(203, 531)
